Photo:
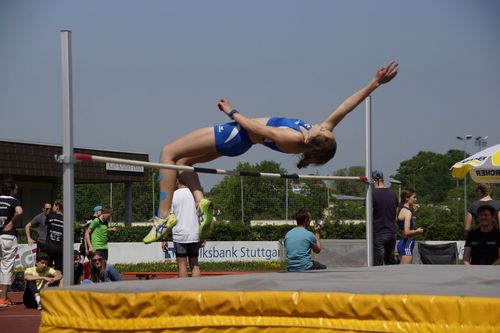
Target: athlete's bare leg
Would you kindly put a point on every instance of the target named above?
(197, 143)
(191, 179)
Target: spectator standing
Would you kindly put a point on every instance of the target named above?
(385, 205)
(55, 227)
(84, 246)
(101, 271)
(299, 242)
(38, 222)
(96, 235)
(37, 278)
(10, 216)
(185, 233)
(407, 226)
(482, 246)
(483, 192)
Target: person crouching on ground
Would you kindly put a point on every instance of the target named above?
(37, 278)
(299, 242)
(100, 270)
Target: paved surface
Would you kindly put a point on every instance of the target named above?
(18, 318)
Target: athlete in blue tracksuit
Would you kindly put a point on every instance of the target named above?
(315, 143)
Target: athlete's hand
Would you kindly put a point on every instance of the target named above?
(224, 106)
(386, 74)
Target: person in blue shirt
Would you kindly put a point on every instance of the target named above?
(315, 143)
(299, 242)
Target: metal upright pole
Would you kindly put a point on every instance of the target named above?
(369, 203)
(67, 158)
(242, 206)
(465, 182)
(286, 199)
(153, 191)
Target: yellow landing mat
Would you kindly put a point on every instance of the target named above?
(261, 303)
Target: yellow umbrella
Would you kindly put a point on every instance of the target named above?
(484, 167)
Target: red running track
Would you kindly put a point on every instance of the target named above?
(20, 319)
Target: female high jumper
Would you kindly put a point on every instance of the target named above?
(315, 143)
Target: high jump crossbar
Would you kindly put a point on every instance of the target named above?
(104, 159)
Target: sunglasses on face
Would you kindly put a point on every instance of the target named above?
(97, 260)
(47, 208)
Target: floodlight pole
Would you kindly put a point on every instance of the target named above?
(465, 138)
(67, 158)
(368, 170)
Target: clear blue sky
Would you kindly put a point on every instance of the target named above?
(147, 72)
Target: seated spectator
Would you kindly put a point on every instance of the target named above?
(87, 267)
(299, 242)
(482, 246)
(100, 271)
(78, 267)
(37, 278)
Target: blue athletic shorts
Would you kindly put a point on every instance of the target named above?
(231, 139)
(405, 247)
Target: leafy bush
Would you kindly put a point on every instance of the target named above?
(204, 266)
(433, 220)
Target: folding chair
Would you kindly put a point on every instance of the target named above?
(438, 254)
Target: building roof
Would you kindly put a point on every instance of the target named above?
(36, 162)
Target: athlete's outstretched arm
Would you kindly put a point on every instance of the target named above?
(275, 134)
(384, 75)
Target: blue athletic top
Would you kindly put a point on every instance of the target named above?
(292, 123)
(298, 243)
(401, 223)
(233, 140)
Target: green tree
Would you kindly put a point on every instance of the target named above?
(266, 198)
(262, 197)
(350, 187)
(348, 210)
(429, 174)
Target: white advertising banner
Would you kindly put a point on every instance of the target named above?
(134, 253)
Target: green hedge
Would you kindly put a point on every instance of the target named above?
(226, 266)
(236, 231)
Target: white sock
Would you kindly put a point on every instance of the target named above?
(37, 298)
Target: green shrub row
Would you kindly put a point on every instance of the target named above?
(225, 266)
(242, 232)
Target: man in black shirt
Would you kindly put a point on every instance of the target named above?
(10, 215)
(385, 204)
(54, 245)
(482, 246)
